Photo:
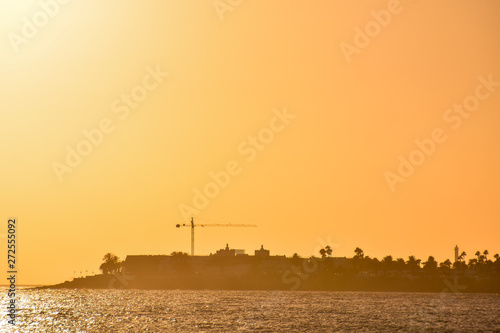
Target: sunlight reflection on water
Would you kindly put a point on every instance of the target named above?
(255, 311)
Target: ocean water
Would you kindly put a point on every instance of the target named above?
(250, 311)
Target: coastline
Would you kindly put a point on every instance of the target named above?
(275, 282)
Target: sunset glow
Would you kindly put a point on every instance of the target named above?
(354, 124)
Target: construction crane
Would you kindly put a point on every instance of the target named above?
(192, 225)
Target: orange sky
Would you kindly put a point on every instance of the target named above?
(321, 175)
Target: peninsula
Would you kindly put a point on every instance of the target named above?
(233, 269)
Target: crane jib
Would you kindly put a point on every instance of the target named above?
(192, 225)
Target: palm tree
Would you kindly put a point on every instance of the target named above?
(472, 263)
(413, 263)
(496, 256)
(481, 259)
(478, 254)
(111, 263)
(485, 252)
(463, 255)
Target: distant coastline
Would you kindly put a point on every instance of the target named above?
(230, 269)
(317, 283)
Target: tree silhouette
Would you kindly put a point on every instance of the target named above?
(296, 259)
(413, 263)
(111, 263)
(387, 263)
(180, 261)
(485, 252)
(359, 253)
(430, 264)
(400, 264)
(445, 264)
(472, 263)
(326, 251)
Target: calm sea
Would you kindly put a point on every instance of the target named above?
(251, 311)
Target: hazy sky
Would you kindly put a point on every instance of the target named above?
(312, 106)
